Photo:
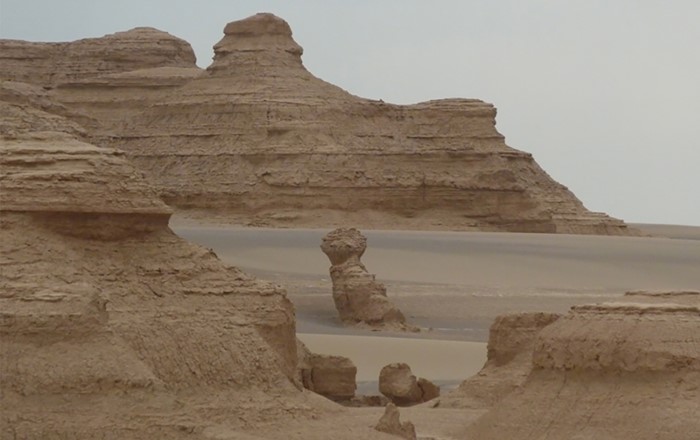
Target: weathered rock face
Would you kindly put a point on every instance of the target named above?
(397, 382)
(258, 139)
(509, 361)
(330, 376)
(300, 145)
(391, 424)
(629, 369)
(110, 78)
(358, 297)
(52, 64)
(106, 315)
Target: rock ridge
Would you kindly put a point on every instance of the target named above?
(303, 152)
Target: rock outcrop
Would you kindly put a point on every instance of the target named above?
(110, 324)
(391, 424)
(53, 64)
(509, 361)
(109, 79)
(330, 376)
(258, 139)
(397, 382)
(358, 296)
(628, 369)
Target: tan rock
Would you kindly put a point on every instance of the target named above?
(628, 369)
(303, 151)
(397, 382)
(390, 423)
(330, 376)
(509, 361)
(429, 390)
(358, 296)
(333, 376)
(106, 314)
(51, 64)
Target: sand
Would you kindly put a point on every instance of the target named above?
(669, 231)
(446, 362)
(455, 283)
(451, 284)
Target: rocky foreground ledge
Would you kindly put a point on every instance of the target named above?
(257, 139)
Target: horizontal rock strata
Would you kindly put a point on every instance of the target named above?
(106, 315)
(258, 139)
(629, 369)
(509, 361)
(358, 296)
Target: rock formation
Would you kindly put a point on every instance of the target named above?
(397, 382)
(54, 64)
(391, 424)
(109, 78)
(629, 369)
(110, 324)
(258, 139)
(358, 296)
(509, 361)
(330, 376)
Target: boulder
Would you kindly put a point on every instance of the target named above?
(397, 382)
(330, 376)
(428, 389)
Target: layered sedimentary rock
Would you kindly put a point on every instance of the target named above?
(397, 382)
(330, 376)
(629, 369)
(110, 324)
(297, 145)
(110, 78)
(258, 139)
(358, 296)
(509, 361)
(53, 64)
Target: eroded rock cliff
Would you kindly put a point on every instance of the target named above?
(509, 361)
(109, 322)
(629, 369)
(257, 139)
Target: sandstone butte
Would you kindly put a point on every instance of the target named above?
(111, 326)
(257, 139)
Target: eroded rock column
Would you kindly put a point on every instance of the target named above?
(358, 296)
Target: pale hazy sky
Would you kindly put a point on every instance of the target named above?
(604, 93)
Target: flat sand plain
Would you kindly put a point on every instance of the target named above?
(452, 284)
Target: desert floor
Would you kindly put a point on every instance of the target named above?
(452, 284)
